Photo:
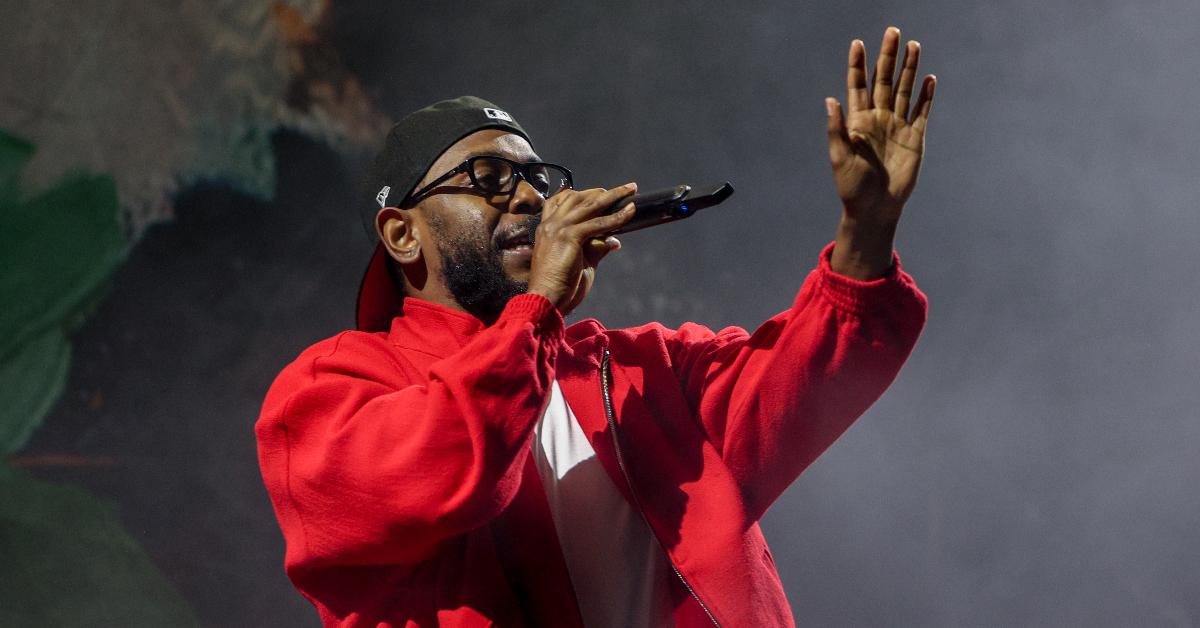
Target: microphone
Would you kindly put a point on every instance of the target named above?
(677, 203)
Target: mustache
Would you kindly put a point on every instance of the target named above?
(526, 229)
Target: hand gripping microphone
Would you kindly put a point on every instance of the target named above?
(677, 203)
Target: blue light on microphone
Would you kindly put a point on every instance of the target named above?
(684, 208)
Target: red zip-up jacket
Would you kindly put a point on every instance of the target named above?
(399, 464)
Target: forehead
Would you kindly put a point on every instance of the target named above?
(497, 142)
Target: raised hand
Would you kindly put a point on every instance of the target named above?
(876, 150)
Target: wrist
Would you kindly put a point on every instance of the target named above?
(550, 294)
(863, 251)
(541, 312)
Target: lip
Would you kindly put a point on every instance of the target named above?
(520, 253)
(515, 238)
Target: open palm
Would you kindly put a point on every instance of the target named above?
(876, 150)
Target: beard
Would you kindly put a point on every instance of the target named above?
(473, 270)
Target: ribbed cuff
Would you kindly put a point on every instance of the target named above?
(856, 296)
(547, 320)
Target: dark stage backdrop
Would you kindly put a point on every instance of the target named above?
(1035, 463)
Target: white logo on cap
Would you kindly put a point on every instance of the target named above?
(496, 114)
(381, 198)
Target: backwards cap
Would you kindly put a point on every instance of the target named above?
(411, 147)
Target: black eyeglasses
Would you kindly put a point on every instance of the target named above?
(497, 175)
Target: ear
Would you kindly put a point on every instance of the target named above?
(397, 230)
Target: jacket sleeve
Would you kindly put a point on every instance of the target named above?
(774, 400)
(364, 470)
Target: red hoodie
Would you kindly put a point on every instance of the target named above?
(399, 462)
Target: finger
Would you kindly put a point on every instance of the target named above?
(856, 77)
(920, 113)
(568, 200)
(908, 74)
(839, 139)
(572, 199)
(600, 201)
(885, 69)
(604, 225)
(559, 203)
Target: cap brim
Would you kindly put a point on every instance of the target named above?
(379, 301)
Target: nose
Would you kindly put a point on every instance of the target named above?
(525, 199)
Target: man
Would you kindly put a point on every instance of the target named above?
(463, 460)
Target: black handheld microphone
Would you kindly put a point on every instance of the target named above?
(677, 203)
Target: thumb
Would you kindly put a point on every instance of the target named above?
(839, 139)
(596, 249)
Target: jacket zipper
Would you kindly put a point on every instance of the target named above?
(612, 429)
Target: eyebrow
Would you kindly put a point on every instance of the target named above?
(493, 153)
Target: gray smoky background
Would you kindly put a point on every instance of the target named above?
(1036, 462)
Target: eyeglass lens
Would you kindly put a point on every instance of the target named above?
(495, 176)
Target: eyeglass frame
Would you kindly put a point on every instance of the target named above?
(520, 173)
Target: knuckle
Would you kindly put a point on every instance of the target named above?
(548, 231)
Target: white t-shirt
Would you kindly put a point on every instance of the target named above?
(619, 570)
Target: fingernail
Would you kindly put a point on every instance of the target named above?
(830, 106)
(613, 242)
(630, 186)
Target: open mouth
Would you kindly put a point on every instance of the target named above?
(517, 246)
(518, 241)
